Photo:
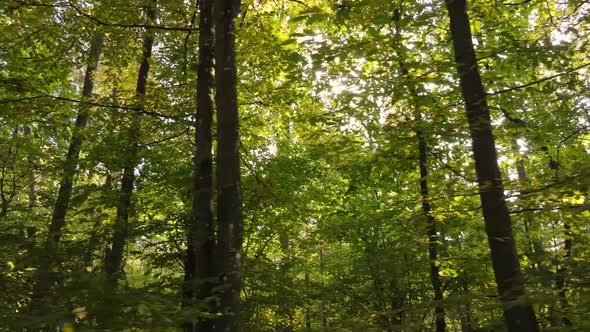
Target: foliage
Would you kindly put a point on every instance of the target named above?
(334, 235)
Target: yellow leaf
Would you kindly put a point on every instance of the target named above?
(68, 327)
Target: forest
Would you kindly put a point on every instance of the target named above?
(294, 165)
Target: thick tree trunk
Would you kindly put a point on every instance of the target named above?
(114, 257)
(200, 273)
(229, 202)
(519, 314)
(439, 310)
(49, 260)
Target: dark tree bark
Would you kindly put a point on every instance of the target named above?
(199, 267)
(114, 257)
(518, 313)
(229, 201)
(8, 187)
(49, 260)
(439, 310)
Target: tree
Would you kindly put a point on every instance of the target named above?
(431, 229)
(347, 189)
(200, 270)
(229, 201)
(518, 312)
(49, 261)
(114, 256)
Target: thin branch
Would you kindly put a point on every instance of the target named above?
(530, 210)
(42, 94)
(16, 100)
(518, 87)
(101, 22)
(186, 39)
(134, 25)
(435, 212)
(164, 139)
(512, 119)
(82, 102)
(301, 3)
(516, 3)
(577, 131)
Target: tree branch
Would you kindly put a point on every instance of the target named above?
(518, 87)
(164, 139)
(41, 94)
(101, 22)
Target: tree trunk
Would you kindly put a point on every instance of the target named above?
(229, 202)
(535, 246)
(439, 310)
(560, 278)
(49, 260)
(8, 167)
(307, 309)
(114, 257)
(285, 312)
(98, 214)
(200, 270)
(31, 178)
(518, 313)
(466, 316)
(323, 289)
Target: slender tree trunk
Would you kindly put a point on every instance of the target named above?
(49, 260)
(31, 178)
(114, 257)
(466, 316)
(439, 310)
(229, 202)
(307, 309)
(522, 179)
(285, 310)
(537, 252)
(560, 279)
(518, 313)
(94, 241)
(200, 269)
(397, 305)
(8, 168)
(322, 304)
